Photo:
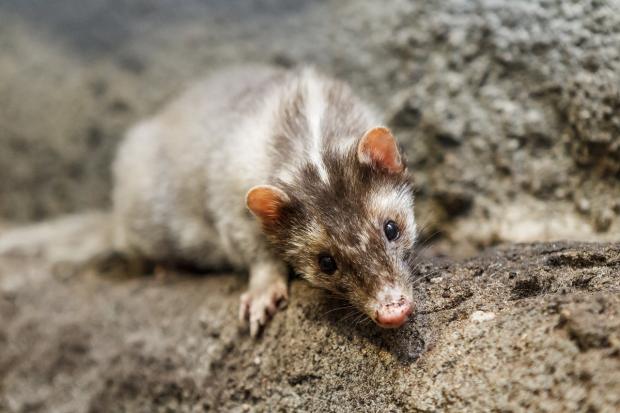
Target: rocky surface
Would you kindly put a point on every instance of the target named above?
(528, 327)
(508, 110)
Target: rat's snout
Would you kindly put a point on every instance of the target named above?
(394, 314)
(393, 308)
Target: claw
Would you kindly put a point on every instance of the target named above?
(244, 308)
(259, 306)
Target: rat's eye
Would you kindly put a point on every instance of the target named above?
(327, 263)
(391, 230)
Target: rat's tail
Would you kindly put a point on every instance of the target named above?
(75, 237)
(71, 244)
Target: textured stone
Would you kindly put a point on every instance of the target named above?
(518, 328)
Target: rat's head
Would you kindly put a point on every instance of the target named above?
(348, 228)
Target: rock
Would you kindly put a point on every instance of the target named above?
(603, 219)
(531, 92)
(550, 319)
(482, 316)
(583, 206)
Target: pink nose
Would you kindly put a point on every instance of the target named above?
(394, 314)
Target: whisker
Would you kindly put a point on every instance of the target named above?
(349, 315)
(346, 307)
(362, 318)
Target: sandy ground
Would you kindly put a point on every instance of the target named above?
(518, 328)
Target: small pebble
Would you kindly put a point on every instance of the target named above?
(481, 316)
(603, 220)
(203, 320)
(583, 206)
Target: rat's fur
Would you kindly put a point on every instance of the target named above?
(181, 178)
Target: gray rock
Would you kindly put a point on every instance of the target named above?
(527, 327)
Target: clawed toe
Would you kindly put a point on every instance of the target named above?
(259, 307)
(244, 307)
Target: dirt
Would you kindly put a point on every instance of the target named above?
(525, 327)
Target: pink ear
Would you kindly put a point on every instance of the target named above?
(266, 202)
(378, 148)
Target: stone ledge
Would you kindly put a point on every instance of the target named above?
(521, 327)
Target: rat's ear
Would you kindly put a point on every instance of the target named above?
(266, 202)
(378, 148)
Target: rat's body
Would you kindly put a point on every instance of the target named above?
(290, 142)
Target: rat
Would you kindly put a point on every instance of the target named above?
(262, 168)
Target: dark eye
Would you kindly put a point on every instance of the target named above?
(327, 263)
(391, 230)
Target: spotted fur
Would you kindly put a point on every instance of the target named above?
(182, 179)
(345, 218)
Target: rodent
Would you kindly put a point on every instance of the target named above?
(260, 168)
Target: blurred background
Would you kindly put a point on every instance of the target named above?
(509, 110)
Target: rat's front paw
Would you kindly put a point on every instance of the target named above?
(258, 305)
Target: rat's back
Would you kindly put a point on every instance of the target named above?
(172, 169)
(181, 177)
